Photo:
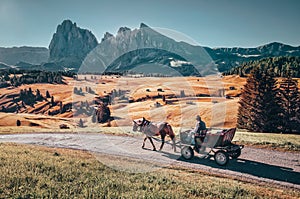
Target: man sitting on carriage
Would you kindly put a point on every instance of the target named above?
(199, 132)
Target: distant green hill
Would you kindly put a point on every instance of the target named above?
(280, 65)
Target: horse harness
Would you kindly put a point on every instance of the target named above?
(144, 124)
(145, 127)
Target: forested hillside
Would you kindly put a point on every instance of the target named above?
(280, 65)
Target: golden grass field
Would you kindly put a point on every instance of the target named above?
(216, 111)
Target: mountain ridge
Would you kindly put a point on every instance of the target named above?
(126, 40)
(33, 55)
(72, 45)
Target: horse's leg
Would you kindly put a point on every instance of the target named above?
(154, 149)
(173, 141)
(143, 146)
(163, 135)
(172, 136)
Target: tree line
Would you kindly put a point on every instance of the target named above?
(281, 66)
(269, 105)
(13, 77)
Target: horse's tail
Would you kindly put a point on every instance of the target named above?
(171, 134)
(170, 131)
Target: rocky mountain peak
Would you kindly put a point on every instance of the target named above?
(67, 25)
(123, 29)
(106, 36)
(70, 44)
(142, 25)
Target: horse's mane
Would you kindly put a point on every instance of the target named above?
(141, 121)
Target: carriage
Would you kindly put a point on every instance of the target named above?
(217, 144)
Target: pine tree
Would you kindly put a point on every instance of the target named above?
(182, 93)
(259, 104)
(103, 113)
(94, 119)
(18, 123)
(38, 95)
(61, 107)
(270, 118)
(52, 101)
(47, 94)
(80, 123)
(75, 90)
(289, 94)
(247, 102)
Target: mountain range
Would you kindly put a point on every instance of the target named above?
(74, 48)
(33, 55)
(227, 58)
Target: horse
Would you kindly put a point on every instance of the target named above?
(154, 129)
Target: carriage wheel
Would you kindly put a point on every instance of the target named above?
(235, 154)
(221, 158)
(187, 152)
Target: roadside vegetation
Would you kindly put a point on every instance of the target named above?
(40, 172)
(285, 142)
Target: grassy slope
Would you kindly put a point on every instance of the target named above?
(30, 171)
(136, 89)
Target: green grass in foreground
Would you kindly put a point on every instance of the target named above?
(287, 142)
(40, 172)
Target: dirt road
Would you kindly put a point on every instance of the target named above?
(260, 165)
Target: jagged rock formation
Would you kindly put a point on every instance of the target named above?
(143, 47)
(107, 35)
(70, 45)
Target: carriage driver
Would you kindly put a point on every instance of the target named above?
(200, 131)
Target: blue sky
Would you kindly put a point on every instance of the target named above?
(213, 23)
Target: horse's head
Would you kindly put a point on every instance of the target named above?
(137, 123)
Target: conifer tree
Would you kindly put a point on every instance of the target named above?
(259, 104)
(94, 119)
(80, 123)
(247, 102)
(103, 113)
(47, 94)
(269, 115)
(18, 123)
(60, 107)
(52, 101)
(289, 94)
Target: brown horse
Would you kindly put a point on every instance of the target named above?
(154, 129)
